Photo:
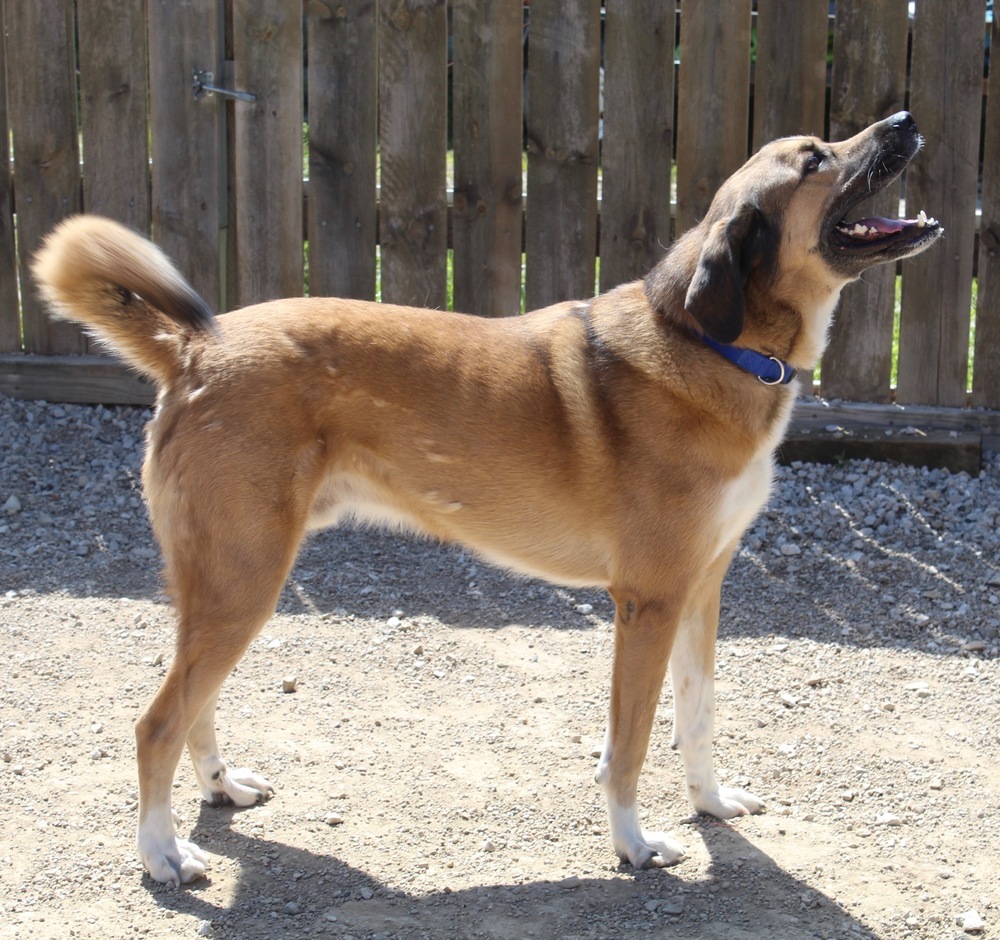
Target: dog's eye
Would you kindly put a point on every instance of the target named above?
(813, 162)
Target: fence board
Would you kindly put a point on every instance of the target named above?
(413, 38)
(713, 110)
(486, 133)
(868, 84)
(113, 95)
(10, 316)
(42, 116)
(187, 140)
(986, 371)
(562, 130)
(267, 49)
(343, 142)
(638, 137)
(934, 329)
(790, 78)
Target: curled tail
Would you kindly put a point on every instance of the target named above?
(124, 290)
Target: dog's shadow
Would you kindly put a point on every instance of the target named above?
(296, 891)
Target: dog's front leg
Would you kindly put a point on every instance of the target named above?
(692, 676)
(643, 633)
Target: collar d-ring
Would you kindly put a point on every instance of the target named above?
(780, 380)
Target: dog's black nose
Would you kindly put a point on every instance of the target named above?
(902, 121)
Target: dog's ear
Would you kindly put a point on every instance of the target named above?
(731, 249)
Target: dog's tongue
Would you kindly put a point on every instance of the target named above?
(884, 226)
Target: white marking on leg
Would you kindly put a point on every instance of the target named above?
(631, 842)
(693, 684)
(219, 783)
(168, 859)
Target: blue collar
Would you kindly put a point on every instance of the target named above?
(769, 369)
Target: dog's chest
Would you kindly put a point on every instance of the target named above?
(741, 499)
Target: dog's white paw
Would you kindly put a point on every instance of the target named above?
(727, 802)
(651, 850)
(168, 859)
(238, 787)
(637, 846)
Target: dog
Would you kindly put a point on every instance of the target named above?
(624, 442)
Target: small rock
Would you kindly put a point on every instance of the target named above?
(393, 622)
(888, 819)
(418, 650)
(292, 908)
(584, 608)
(289, 683)
(815, 681)
(333, 819)
(487, 846)
(789, 701)
(573, 881)
(12, 506)
(790, 548)
(971, 922)
(205, 928)
(367, 893)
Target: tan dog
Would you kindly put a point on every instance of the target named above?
(599, 443)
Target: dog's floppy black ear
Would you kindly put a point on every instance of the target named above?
(715, 294)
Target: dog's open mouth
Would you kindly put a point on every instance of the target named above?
(878, 234)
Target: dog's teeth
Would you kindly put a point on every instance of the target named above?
(921, 218)
(859, 229)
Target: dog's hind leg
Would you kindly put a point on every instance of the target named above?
(221, 784)
(644, 630)
(692, 676)
(227, 575)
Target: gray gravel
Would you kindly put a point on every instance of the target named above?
(429, 722)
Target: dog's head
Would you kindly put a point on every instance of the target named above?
(785, 229)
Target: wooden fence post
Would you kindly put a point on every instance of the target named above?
(638, 142)
(343, 129)
(562, 124)
(934, 329)
(790, 78)
(486, 131)
(986, 370)
(114, 123)
(868, 84)
(42, 114)
(188, 140)
(10, 315)
(713, 111)
(413, 40)
(267, 49)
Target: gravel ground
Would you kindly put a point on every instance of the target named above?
(434, 762)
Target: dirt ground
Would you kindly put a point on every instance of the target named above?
(434, 763)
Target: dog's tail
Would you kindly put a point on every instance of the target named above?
(124, 290)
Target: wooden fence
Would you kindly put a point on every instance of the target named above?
(485, 154)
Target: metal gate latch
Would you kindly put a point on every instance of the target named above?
(202, 83)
